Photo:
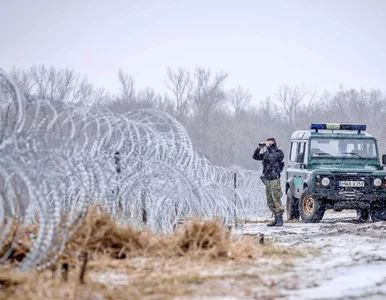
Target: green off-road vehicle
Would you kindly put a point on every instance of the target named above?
(335, 166)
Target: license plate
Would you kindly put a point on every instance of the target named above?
(351, 183)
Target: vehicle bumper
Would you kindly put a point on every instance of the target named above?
(351, 199)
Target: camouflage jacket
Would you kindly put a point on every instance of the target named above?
(272, 160)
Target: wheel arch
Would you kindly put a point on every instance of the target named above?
(307, 183)
(289, 185)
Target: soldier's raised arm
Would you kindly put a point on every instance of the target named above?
(257, 155)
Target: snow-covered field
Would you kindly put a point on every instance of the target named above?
(351, 263)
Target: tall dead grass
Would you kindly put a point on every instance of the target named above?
(101, 235)
(110, 247)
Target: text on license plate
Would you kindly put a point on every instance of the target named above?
(351, 183)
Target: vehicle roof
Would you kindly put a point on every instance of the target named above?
(306, 134)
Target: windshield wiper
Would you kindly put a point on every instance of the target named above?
(353, 153)
(322, 154)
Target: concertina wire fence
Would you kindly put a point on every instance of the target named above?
(58, 159)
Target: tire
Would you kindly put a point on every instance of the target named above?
(363, 215)
(378, 211)
(311, 208)
(292, 204)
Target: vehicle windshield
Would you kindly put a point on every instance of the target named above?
(343, 147)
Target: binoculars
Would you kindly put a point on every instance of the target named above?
(262, 144)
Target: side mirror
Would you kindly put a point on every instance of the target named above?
(384, 159)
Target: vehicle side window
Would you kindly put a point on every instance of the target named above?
(301, 152)
(293, 151)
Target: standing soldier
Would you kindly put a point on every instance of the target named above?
(272, 167)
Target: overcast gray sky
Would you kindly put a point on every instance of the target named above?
(261, 44)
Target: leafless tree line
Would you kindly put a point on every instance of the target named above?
(225, 125)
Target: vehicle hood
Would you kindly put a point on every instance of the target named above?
(350, 169)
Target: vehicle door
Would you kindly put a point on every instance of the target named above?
(292, 167)
(299, 172)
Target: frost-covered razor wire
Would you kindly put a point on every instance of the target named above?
(57, 159)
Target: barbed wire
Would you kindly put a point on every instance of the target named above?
(58, 159)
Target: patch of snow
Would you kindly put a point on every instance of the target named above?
(348, 282)
(110, 277)
(351, 262)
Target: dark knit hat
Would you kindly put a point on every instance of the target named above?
(271, 140)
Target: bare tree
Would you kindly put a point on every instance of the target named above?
(55, 85)
(291, 99)
(147, 98)
(181, 84)
(127, 87)
(167, 105)
(240, 99)
(126, 99)
(24, 80)
(208, 96)
(101, 97)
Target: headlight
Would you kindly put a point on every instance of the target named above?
(377, 182)
(325, 181)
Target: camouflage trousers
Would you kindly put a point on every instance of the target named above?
(274, 194)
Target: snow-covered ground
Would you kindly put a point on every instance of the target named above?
(351, 263)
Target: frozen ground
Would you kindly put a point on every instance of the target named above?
(351, 263)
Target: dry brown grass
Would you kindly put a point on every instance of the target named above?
(129, 264)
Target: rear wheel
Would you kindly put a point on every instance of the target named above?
(378, 211)
(311, 208)
(292, 207)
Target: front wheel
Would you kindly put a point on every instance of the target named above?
(363, 215)
(378, 211)
(311, 208)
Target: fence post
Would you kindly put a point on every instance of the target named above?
(117, 157)
(144, 214)
(143, 197)
(235, 187)
(65, 272)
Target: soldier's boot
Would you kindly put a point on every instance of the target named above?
(279, 220)
(273, 223)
